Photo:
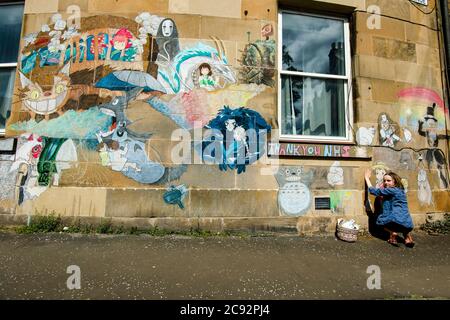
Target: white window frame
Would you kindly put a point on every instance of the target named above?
(11, 64)
(348, 101)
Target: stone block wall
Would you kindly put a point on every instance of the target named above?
(126, 83)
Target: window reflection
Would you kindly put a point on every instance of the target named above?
(314, 107)
(313, 44)
(10, 27)
(7, 76)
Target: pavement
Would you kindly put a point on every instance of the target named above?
(37, 266)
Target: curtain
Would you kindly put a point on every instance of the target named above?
(286, 106)
(7, 76)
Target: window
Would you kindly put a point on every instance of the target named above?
(314, 78)
(10, 30)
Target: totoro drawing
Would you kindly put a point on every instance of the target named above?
(294, 196)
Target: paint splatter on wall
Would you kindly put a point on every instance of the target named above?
(339, 200)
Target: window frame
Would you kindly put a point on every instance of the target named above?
(348, 93)
(12, 64)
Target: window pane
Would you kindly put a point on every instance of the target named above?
(313, 107)
(7, 76)
(10, 28)
(313, 44)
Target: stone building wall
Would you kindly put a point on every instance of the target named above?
(75, 159)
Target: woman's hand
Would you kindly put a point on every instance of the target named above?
(367, 176)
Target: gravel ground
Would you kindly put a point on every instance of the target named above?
(179, 267)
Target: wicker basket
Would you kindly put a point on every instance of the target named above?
(345, 234)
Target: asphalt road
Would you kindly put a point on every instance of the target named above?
(178, 267)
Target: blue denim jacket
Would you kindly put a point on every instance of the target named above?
(395, 206)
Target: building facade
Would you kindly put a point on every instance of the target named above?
(224, 115)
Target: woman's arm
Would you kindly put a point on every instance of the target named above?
(383, 192)
(377, 191)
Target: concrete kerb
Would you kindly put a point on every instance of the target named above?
(302, 226)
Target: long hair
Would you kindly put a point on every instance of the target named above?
(205, 65)
(397, 180)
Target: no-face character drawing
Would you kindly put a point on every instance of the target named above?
(428, 129)
(294, 196)
(167, 41)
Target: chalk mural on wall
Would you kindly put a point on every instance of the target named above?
(294, 196)
(47, 45)
(126, 80)
(405, 183)
(99, 70)
(27, 157)
(204, 78)
(388, 131)
(43, 99)
(258, 59)
(258, 63)
(339, 200)
(39, 163)
(61, 45)
(406, 161)
(193, 109)
(424, 194)
(428, 127)
(365, 136)
(148, 26)
(123, 149)
(335, 175)
(167, 40)
(176, 195)
(396, 160)
(407, 135)
(72, 124)
(424, 111)
(179, 74)
(380, 169)
(78, 57)
(235, 138)
(412, 103)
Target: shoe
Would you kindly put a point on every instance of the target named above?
(393, 240)
(410, 244)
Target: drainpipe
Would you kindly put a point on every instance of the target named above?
(446, 32)
(444, 15)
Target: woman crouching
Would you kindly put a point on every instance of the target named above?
(395, 216)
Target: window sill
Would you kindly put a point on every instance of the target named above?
(318, 150)
(316, 140)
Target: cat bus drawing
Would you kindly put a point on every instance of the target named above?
(44, 100)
